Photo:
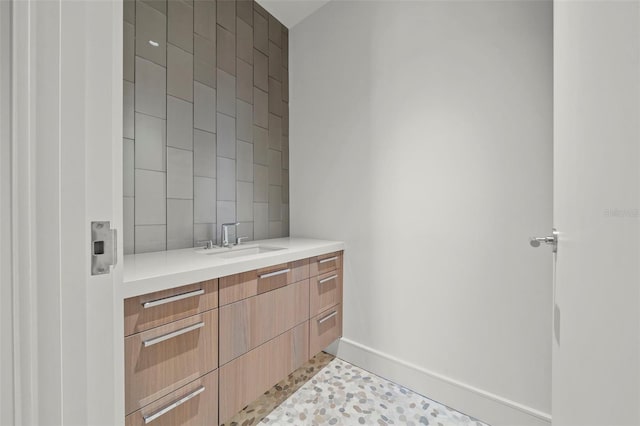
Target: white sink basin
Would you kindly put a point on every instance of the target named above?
(239, 251)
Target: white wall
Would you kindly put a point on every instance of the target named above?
(421, 135)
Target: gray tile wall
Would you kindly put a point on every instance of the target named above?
(205, 126)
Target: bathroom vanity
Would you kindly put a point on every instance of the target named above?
(207, 332)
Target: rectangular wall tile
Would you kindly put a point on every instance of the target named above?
(150, 238)
(226, 138)
(275, 167)
(244, 84)
(227, 14)
(179, 224)
(275, 31)
(128, 112)
(285, 87)
(179, 73)
(159, 5)
(151, 34)
(129, 51)
(128, 166)
(244, 41)
(150, 198)
(260, 70)
(226, 50)
(245, 229)
(275, 132)
(180, 24)
(226, 102)
(179, 173)
(260, 108)
(285, 153)
(244, 161)
(275, 229)
(204, 200)
(226, 176)
(245, 202)
(204, 232)
(151, 88)
(129, 11)
(260, 33)
(204, 107)
(204, 22)
(150, 142)
(285, 187)
(204, 60)
(204, 154)
(275, 61)
(128, 224)
(285, 118)
(275, 202)
(285, 49)
(260, 184)
(275, 97)
(244, 121)
(260, 221)
(244, 10)
(260, 146)
(179, 123)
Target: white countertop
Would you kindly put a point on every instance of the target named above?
(149, 272)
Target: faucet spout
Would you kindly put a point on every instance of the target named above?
(224, 233)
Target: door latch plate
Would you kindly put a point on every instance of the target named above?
(104, 247)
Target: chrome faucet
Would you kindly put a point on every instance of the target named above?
(224, 233)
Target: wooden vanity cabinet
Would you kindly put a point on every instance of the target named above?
(197, 354)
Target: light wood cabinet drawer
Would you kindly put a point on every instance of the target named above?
(195, 404)
(249, 376)
(163, 359)
(324, 329)
(325, 291)
(249, 323)
(325, 263)
(277, 276)
(154, 309)
(241, 286)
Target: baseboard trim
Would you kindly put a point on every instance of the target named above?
(486, 406)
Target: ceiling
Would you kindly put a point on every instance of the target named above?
(290, 12)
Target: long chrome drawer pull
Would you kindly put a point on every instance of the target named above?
(329, 259)
(170, 299)
(273, 274)
(332, 277)
(171, 335)
(166, 409)
(331, 315)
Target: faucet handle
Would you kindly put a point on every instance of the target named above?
(208, 244)
(239, 240)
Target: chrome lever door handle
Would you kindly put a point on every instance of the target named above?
(551, 240)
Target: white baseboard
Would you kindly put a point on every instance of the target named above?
(486, 406)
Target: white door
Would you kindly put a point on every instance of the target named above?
(596, 356)
(66, 160)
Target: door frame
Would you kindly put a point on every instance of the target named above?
(66, 162)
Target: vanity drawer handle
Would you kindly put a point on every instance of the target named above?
(171, 335)
(328, 317)
(332, 277)
(167, 408)
(170, 299)
(329, 259)
(273, 274)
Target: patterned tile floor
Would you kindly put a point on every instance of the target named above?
(329, 391)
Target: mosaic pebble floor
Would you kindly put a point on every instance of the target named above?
(330, 391)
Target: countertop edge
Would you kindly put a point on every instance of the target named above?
(137, 287)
